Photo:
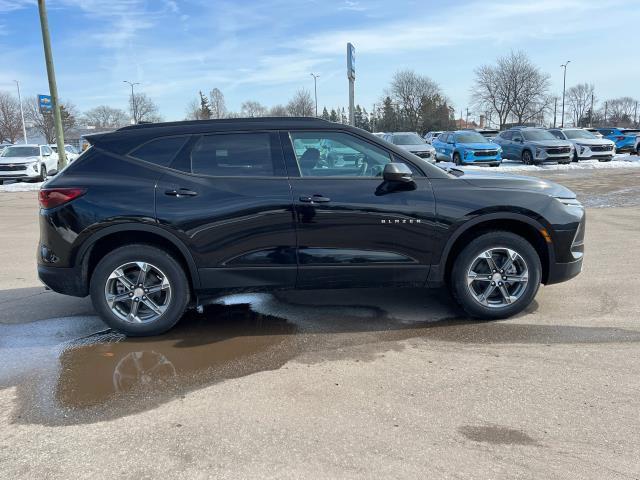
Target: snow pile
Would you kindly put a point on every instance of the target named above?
(619, 161)
(20, 187)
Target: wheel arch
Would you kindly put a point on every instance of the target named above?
(114, 236)
(519, 224)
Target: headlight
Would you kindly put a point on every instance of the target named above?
(33, 165)
(539, 151)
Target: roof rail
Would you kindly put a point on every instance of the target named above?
(223, 120)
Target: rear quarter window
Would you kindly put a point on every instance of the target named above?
(233, 155)
(160, 151)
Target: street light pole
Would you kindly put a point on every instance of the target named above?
(53, 88)
(315, 89)
(134, 112)
(24, 128)
(564, 85)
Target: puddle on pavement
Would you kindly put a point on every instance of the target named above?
(105, 375)
(496, 435)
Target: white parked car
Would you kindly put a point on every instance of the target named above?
(586, 145)
(431, 136)
(27, 162)
(414, 143)
(69, 150)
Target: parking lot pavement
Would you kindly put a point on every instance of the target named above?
(336, 384)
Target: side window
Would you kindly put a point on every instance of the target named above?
(337, 154)
(557, 134)
(159, 151)
(516, 136)
(605, 131)
(233, 155)
(506, 135)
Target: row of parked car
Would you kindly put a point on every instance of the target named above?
(31, 162)
(531, 145)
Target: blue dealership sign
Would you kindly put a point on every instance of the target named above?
(44, 102)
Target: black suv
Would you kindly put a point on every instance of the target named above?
(156, 218)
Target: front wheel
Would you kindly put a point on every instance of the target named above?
(456, 158)
(43, 173)
(527, 158)
(496, 275)
(139, 290)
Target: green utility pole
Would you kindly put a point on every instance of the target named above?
(53, 89)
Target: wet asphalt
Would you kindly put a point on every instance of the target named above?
(332, 384)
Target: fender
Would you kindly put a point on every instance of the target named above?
(436, 274)
(141, 227)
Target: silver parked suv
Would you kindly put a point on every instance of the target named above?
(533, 145)
(586, 145)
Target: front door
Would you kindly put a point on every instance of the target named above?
(228, 198)
(353, 228)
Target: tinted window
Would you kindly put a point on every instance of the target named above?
(536, 134)
(606, 131)
(557, 134)
(335, 154)
(233, 155)
(506, 135)
(160, 151)
(470, 137)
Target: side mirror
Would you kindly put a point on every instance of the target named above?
(397, 172)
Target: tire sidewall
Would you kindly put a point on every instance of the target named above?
(527, 158)
(144, 253)
(462, 263)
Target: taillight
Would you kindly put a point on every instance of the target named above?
(54, 197)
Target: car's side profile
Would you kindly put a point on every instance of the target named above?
(27, 163)
(533, 145)
(467, 147)
(153, 219)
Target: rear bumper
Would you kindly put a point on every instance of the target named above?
(68, 281)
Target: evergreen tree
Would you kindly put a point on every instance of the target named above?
(389, 118)
(357, 116)
(205, 109)
(333, 117)
(343, 117)
(325, 114)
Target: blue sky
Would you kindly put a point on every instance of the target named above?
(264, 50)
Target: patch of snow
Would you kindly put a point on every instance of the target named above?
(619, 161)
(20, 187)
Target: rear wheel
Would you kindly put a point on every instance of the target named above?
(527, 158)
(139, 290)
(496, 275)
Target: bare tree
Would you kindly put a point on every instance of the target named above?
(410, 91)
(143, 109)
(43, 122)
(301, 105)
(579, 98)
(216, 104)
(252, 108)
(622, 112)
(278, 111)
(514, 86)
(10, 120)
(104, 116)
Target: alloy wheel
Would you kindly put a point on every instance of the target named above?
(497, 277)
(138, 292)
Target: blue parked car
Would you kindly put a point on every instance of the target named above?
(467, 147)
(624, 142)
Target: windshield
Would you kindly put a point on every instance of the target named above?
(571, 134)
(537, 135)
(470, 137)
(55, 149)
(21, 152)
(408, 139)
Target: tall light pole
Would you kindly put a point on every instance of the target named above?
(315, 89)
(134, 113)
(53, 88)
(24, 128)
(564, 86)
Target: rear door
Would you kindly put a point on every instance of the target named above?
(353, 228)
(228, 198)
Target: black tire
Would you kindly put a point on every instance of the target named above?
(141, 253)
(495, 164)
(43, 173)
(575, 156)
(527, 158)
(456, 159)
(495, 239)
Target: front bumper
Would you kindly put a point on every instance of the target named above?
(561, 272)
(18, 171)
(542, 156)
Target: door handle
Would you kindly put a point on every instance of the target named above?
(314, 199)
(181, 192)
